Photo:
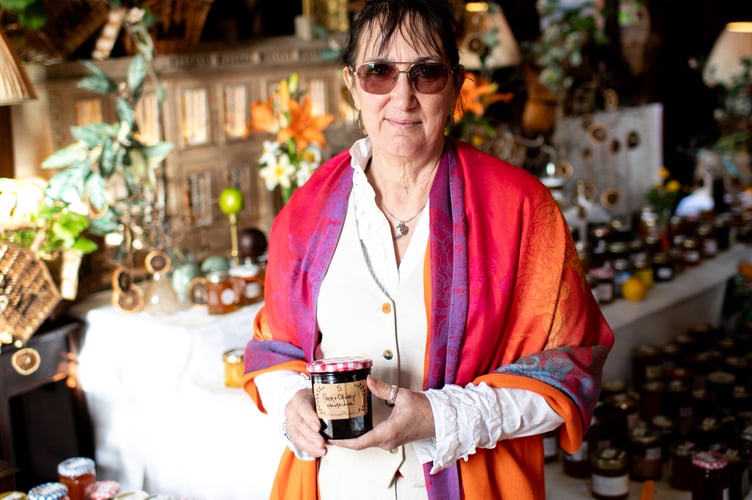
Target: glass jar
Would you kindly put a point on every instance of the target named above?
(651, 398)
(77, 473)
(622, 272)
(681, 464)
(720, 384)
(220, 293)
(709, 476)
(663, 267)
(550, 446)
(691, 255)
(646, 455)
(609, 477)
(103, 490)
(647, 364)
(247, 280)
(604, 290)
(234, 367)
(643, 270)
(341, 397)
(708, 241)
(48, 491)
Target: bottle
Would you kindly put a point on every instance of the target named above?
(77, 473)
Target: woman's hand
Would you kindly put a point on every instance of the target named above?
(411, 420)
(302, 425)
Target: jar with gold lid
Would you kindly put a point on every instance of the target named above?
(234, 367)
(663, 267)
(222, 297)
(609, 477)
(645, 453)
(691, 253)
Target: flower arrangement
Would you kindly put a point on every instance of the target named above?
(664, 195)
(290, 158)
(469, 119)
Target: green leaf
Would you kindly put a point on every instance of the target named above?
(93, 134)
(137, 73)
(84, 245)
(98, 82)
(69, 155)
(96, 190)
(106, 224)
(107, 159)
(157, 152)
(125, 112)
(67, 185)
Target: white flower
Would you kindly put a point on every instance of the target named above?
(278, 172)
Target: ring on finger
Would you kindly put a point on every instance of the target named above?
(392, 395)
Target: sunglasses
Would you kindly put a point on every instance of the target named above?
(381, 77)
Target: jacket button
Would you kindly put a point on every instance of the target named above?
(388, 354)
(386, 308)
(394, 451)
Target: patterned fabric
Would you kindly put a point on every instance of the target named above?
(508, 302)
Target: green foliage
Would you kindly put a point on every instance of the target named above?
(62, 230)
(32, 14)
(109, 168)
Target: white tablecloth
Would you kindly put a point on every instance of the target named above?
(164, 421)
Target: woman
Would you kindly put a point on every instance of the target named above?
(454, 271)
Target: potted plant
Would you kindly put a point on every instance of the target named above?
(551, 59)
(108, 169)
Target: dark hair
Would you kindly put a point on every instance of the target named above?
(432, 23)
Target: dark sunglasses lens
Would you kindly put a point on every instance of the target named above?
(377, 78)
(429, 77)
(380, 78)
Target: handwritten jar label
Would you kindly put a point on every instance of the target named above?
(341, 401)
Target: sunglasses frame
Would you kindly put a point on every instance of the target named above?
(393, 66)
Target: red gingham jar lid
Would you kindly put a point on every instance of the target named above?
(709, 460)
(102, 490)
(337, 365)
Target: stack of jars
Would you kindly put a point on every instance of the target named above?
(655, 253)
(685, 413)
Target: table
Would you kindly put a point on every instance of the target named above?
(164, 422)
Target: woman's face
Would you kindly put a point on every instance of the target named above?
(403, 122)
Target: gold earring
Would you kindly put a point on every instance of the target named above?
(359, 123)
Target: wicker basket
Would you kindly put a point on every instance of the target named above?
(28, 294)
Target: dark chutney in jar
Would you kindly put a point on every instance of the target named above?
(342, 398)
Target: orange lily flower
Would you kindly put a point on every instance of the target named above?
(262, 117)
(304, 127)
(476, 95)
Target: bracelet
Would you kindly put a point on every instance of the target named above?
(284, 431)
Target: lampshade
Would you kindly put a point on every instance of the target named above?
(725, 61)
(15, 86)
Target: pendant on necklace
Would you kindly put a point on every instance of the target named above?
(401, 230)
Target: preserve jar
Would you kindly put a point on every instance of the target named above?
(247, 280)
(550, 446)
(234, 367)
(220, 293)
(103, 490)
(48, 491)
(77, 473)
(609, 477)
(681, 464)
(709, 476)
(341, 396)
(646, 454)
(663, 267)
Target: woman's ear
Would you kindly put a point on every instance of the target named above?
(349, 80)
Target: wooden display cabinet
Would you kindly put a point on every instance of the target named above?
(204, 116)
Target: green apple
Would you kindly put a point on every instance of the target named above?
(231, 200)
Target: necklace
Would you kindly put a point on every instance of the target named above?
(401, 228)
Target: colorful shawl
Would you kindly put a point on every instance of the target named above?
(508, 306)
